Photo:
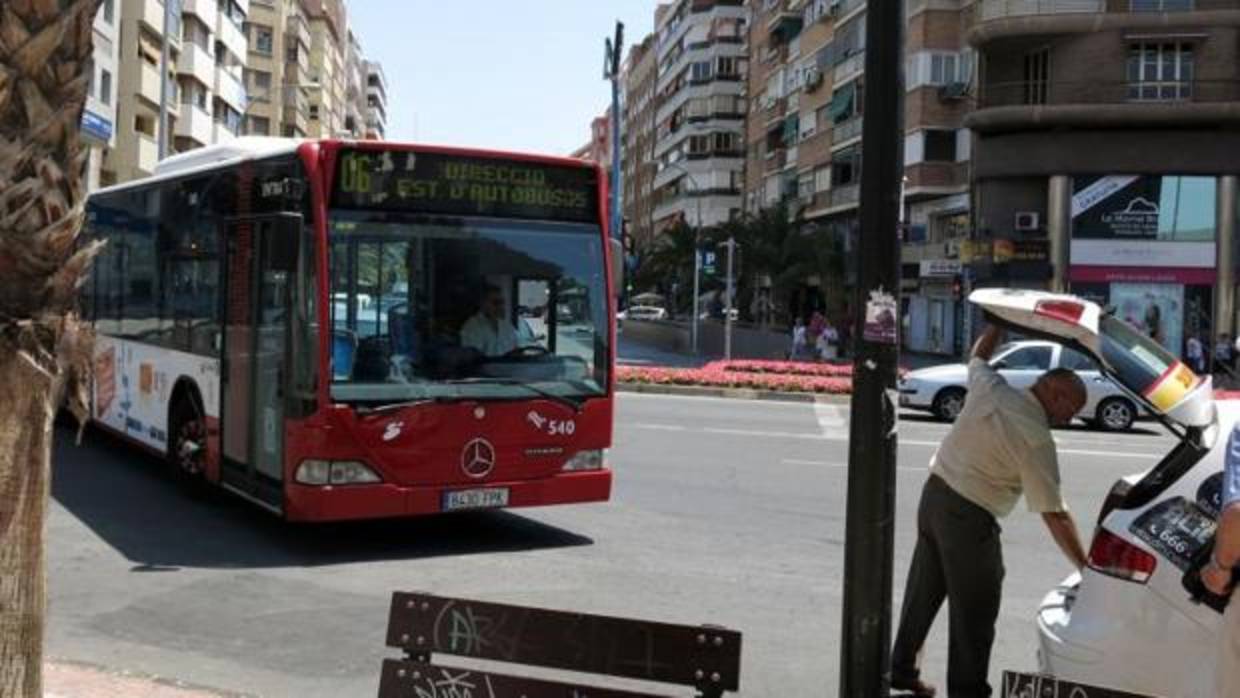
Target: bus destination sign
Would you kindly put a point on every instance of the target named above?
(421, 182)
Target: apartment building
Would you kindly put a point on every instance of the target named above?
(701, 67)
(1105, 155)
(277, 74)
(355, 87)
(98, 126)
(598, 149)
(376, 101)
(638, 138)
(328, 54)
(806, 87)
(205, 50)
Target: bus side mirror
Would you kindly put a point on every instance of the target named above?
(284, 244)
(617, 266)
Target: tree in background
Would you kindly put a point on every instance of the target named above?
(45, 354)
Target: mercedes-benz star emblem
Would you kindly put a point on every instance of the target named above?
(478, 458)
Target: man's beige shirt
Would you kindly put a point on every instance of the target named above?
(999, 447)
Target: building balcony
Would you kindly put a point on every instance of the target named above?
(1002, 19)
(205, 10)
(775, 160)
(147, 80)
(147, 153)
(1092, 104)
(228, 87)
(990, 10)
(773, 115)
(847, 132)
(195, 124)
(784, 24)
(840, 198)
(935, 178)
(230, 35)
(849, 68)
(221, 134)
(196, 61)
(298, 30)
(152, 15)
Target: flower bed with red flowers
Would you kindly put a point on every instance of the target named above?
(718, 374)
(786, 368)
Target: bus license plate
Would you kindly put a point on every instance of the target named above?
(486, 498)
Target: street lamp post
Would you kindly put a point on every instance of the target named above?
(727, 320)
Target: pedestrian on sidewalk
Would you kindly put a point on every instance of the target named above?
(1194, 354)
(1219, 573)
(798, 340)
(999, 447)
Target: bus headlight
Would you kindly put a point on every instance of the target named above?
(587, 460)
(337, 472)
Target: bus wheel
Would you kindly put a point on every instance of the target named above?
(187, 438)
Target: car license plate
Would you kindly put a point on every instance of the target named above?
(484, 498)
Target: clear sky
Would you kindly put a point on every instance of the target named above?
(511, 74)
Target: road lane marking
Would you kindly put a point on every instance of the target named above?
(829, 464)
(830, 417)
(809, 436)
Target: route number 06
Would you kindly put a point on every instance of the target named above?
(355, 173)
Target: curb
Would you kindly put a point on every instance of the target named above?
(732, 393)
(72, 679)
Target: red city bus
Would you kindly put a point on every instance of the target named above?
(346, 330)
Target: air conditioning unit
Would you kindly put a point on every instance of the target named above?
(1027, 221)
(813, 79)
(953, 91)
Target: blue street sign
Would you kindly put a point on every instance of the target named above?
(95, 125)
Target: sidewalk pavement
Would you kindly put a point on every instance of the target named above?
(72, 680)
(630, 353)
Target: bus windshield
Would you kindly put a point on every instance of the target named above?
(442, 308)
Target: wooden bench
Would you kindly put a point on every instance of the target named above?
(426, 627)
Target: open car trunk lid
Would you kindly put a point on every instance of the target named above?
(1163, 385)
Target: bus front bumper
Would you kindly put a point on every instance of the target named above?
(353, 502)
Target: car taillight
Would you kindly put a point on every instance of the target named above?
(1116, 557)
(1066, 311)
(1117, 494)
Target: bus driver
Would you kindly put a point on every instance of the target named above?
(488, 330)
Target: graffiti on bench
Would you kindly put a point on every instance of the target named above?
(1022, 685)
(406, 679)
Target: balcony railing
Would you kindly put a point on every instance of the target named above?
(1089, 92)
(988, 10)
(849, 67)
(848, 130)
(845, 195)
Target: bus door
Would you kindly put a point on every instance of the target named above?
(261, 269)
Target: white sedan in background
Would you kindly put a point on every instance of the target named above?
(941, 389)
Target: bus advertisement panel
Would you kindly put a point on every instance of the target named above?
(360, 330)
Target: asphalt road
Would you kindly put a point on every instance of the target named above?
(724, 511)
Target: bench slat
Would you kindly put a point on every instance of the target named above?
(408, 679)
(701, 656)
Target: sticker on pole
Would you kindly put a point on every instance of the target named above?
(880, 318)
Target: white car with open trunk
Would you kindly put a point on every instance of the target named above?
(1131, 619)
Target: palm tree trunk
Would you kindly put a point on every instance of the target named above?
(45, 50)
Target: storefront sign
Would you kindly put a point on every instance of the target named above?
(1143, 253)
(1190, 277)
(940, 267)
(1020, 251)
(1147, 207)
(971, 250)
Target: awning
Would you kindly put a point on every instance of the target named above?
(842, 103)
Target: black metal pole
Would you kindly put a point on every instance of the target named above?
(869, 536)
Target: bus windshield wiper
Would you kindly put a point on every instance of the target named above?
(575, 405)
(388, 407)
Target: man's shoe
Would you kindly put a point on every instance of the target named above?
(913, 687)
